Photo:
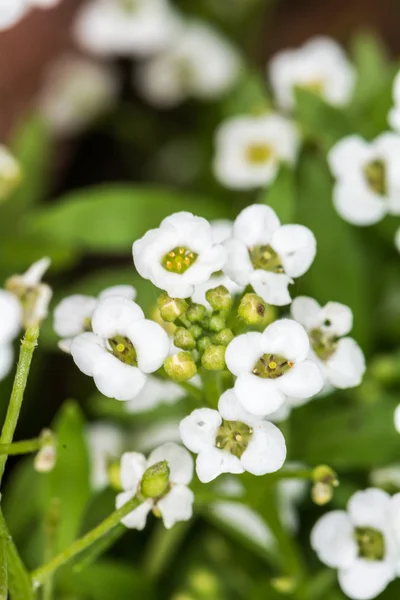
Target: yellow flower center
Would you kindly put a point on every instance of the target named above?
(179, 259)
(258, 154)
(271, 366)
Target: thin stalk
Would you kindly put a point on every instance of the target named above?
(46, 571)
(3, 569)
(19, 582)
(23, 447)
(28, 346)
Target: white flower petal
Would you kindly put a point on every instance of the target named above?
(255, 225)
(114, 315)
(306, 311)
(87, 349)
(155, 392)
(296, 246)
(365, 579)
(243, 352)
(231, 409)
(33, 276)
(212, 462)
(10, 316)
(199, 430)
(116, 379)
(348, 154)
(246, 521)
(286, 338)
(138, 517)
(266, 451)
(176, 506)
(345, 369)
(369, 508)
(356, 204)
(332, 538)
(6, 360)
(126, 291)
(70, 314)
(133, 466)
(238, 264)
(336, 319)
(272, 287)
(222, 230)
(258, 396)
(396, 417)
(151, 343)
(304, 380)
(179, 461)
(105, 442)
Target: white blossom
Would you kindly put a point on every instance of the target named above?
(10, 172)
(250, 149)
(271, 366)
(319, 65)
(11, 11)
(76, 91)
(126, 27)
(33, 294)
(339, 356)
(199, 64)
(246, 521)
(175, 504)
(10, 324)
(385, 477)
(394, 114)
(268, 255)
(179, 254)
(397, 418)
(73, 315)
(157, 434)
(361, 543)
(367, 178)
(230, 440)
(155, 392)
(105, 443)
(122, 348)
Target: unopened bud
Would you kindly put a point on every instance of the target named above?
(324, 474)
(204, 343)
(180, 367)
(321, 493)
(196, 330)
(34, 295)
(171, 308)
(195, 313)
(46, 458)
(217, 323)
(284, 585)
(114, 475)
(155, 480)
(252, 309)
(213, 358)
(219, 298)
(184, 339)
(224, 337)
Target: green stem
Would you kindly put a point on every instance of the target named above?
(23, 447)
(28, 346)
(44, 572)
(19, 582)
(3, 569)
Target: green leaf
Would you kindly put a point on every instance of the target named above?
(24, 481)
(110, 218)
(281, 195)
(372, 65)
(249, 96)
(69, 480)
(338, 272)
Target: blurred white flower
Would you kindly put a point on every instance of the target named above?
(271, 366)
(175, 503)
(10, 325)
(155, 392)
(246, 521)
(394, 114)
(73, 315)
(386, 476)
(11, 11)
(105, 443)
(33, 294)
(397, 418)
(76, 91)
(291, 492)
(361, 543)
(285, 410)
(367, 178)
(340, 358)
(10, 172)
(156, 434)
(122, 349)
(126, 27)
(266, 254)
(319, 65)
(179, 254)
(199, 64)
(230, 440)
(250, 149)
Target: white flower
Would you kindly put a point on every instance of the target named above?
(199, 64)
(11, 11)
(319, 65)
(340, 358)
(155, 392)
(246, 521)
(34, 295)
(291, 492)
(156, 434)
(126, 27)
(179, 254)
(123, 348)
(360, 543)
(397, 418)
(10, 172)
(105, 444)
(175, 504)
(76, 91)
(285, 410)
(221, 230)
(397, 239)
(230, 440)
(386, 476)
(73, 315)
(394, 114)
(10, 324)
(367, 178)
(271, 366)
(250, 149)
(266, 254)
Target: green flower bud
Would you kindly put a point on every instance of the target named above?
(284, 585)
(224, 337)
(321, 493)
(195, 313)
(114, 475)
(180, 367)
(220, 298)
(196, 330)
(217, 323)
(252, 309)
(324, 474)
(155, 480)
(184, 339)
(203, 343)
(213, 358)
(171, 308)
